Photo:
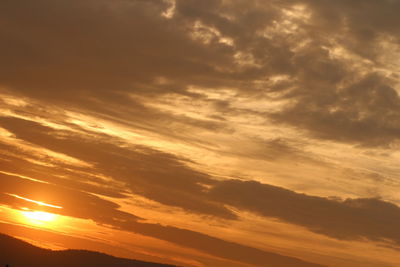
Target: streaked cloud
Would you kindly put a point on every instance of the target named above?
(214, 111)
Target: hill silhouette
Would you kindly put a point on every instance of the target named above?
(17, 253)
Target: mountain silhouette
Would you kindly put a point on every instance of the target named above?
(17, 253)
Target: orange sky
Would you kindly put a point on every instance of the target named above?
(203, 132)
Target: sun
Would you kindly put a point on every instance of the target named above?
(39, 217)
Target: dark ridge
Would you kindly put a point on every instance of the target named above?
(17, 253)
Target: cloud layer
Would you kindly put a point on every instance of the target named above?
(211, 108)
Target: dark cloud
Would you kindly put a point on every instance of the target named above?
(351, 219)
(13, 160)
(168, 180)
(108, 59)
(74, 203)
(361, 23)
(165, 178)
(366, 112)
(333, 99)
(91, 54)
(87, 206)
(64, 49)
(278, 149)
(215, 246)
(159, 176)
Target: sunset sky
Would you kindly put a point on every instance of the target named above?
(203, 133)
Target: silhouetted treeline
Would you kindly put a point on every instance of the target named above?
(17, 253)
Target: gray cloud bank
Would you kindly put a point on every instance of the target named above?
(350, 219)
(90, 55)
(167, 179)
(96, 52)
(86, 206)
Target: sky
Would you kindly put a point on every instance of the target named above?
(203, 133)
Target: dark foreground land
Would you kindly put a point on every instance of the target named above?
(17, 253)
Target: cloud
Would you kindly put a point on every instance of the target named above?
(366, 112)
(95, 46)
(93, 54)
(278, 149)
(328, 69)
(331, 53)
(73, 202)
(215, 246)
(156, 175)
(360, 22)
(350, 219)
(166, 179)
(86, 206)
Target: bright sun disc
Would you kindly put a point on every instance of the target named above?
(39, 216)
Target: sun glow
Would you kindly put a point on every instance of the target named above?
(39, 217)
